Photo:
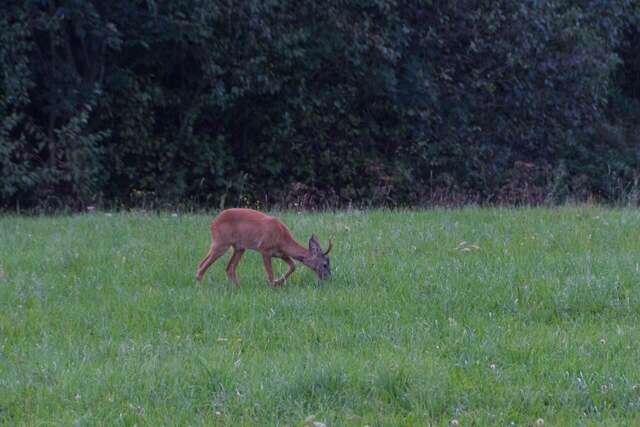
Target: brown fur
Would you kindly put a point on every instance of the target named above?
(244, 229)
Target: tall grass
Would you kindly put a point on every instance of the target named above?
(483, 316)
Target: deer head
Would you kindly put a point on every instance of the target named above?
(318, 260)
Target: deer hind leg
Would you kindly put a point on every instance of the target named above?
(292, 268)
(233, 263)
(215, 252)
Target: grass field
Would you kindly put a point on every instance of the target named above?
(442, 317)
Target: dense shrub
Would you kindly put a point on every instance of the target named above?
(214, 103)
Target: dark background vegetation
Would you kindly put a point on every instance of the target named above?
(371, 102)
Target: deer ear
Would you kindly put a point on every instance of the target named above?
(314, 246)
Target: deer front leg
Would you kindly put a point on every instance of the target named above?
(266, 259)
(292, 268)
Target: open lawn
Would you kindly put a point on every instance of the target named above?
(475, 316)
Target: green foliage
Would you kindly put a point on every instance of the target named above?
(487, 316)
(213, 103)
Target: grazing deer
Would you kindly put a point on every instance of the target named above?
(248, 229)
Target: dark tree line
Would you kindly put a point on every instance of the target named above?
(213, 103)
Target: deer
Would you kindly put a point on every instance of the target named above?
(243, 229)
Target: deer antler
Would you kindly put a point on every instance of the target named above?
(329, 248)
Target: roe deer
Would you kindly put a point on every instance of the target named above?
(248, 229)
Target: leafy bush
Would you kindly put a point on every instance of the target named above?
(385, 102)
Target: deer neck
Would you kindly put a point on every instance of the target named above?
(296, 251)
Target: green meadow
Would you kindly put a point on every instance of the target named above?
(439, 317)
